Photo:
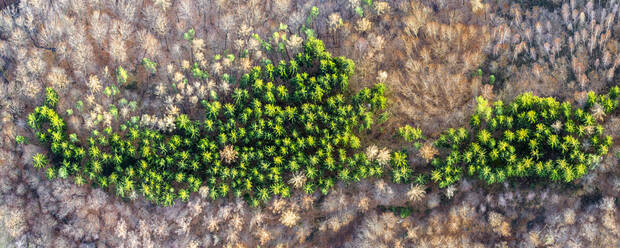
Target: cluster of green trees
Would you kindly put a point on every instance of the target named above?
(298, 119)
(294, 117)
(530, 137)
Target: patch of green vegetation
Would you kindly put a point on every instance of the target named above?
(296, 123)
(21, 140)
(402, 212)
(296, 117)
(530, 137)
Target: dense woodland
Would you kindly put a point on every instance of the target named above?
(194, 123)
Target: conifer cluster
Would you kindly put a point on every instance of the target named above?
(529, 137)
(295, 116)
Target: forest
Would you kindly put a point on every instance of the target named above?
(196, 123)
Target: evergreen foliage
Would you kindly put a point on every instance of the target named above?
(298, 116)
(121, 75)
(410, 133)
(530, 137)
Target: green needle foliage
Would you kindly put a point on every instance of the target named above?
(121, 75)
(530, 137)
(20, 140)
(297, 117)
(410, 133)
(149, 65)
(295, 123)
